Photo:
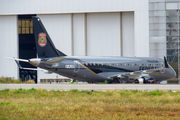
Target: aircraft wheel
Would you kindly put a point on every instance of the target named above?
(136, 81)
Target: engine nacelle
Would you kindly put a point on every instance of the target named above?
(149, 79)
(145, 79)
(139, 81)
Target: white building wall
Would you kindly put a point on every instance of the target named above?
(8, 7)
(79, 34)
(59, 29)
(103, 34)
(128, 34)
(140, 8)
(8, 46)
(157, 28)
(141, 33)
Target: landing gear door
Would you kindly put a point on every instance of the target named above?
(76, 66)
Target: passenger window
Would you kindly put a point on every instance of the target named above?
(128, 64)
(135, 64)
(117, 64)
(148, 67)
(109, 64)
(153, 64)
(121, 64)
(146, 64)
(139, 64)
(132, 64)
(143, 68)
(94, 64)
(124, 64)
(102, 64)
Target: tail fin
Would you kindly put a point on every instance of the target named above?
(44, 45)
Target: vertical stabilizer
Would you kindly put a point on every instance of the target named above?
(44, 45)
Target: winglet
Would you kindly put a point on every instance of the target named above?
(165, 63)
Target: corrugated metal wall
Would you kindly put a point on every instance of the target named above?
(8, 46)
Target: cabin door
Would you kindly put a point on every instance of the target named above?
(76, 66)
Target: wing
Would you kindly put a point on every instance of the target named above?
(138, 74)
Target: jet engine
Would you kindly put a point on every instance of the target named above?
(145, 80)
(149, 79)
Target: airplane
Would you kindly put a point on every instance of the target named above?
(137, 70)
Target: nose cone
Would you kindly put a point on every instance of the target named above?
(173, 73)
(35, 61)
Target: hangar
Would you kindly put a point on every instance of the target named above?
(139, 28)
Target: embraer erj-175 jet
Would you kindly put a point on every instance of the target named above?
(96, 69)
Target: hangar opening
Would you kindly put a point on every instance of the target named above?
(27, 47)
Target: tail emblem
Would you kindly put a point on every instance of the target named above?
(42, 39)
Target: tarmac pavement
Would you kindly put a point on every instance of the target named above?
(97, 87)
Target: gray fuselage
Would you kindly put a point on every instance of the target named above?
(99, 69)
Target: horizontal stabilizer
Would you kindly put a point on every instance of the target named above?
(23, 60)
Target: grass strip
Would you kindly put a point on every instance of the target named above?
(75, 104)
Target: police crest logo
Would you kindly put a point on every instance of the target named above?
(42, 39)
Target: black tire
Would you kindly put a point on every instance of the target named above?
(136, 81)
